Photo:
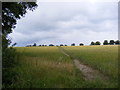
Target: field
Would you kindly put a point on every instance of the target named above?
(103, 58)
(50, 67)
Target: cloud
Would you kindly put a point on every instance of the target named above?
(67, 22)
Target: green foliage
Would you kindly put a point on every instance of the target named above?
(92, 43)
(111, 42)
(81, 44)
(34, 44)
(8, 63)
(61, 45)
(105, 42)
(117, 42)
(51, 45)
(73, 44)
(97, 43)
(11, 11)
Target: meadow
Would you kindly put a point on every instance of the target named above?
(45, 67)
(49, 67)
(103, 58)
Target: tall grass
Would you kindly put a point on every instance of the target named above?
(45, 67)
(103, 58)
(48, 67)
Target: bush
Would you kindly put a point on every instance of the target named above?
(8, 76)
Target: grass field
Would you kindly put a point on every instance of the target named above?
(48, 67)
(45, 67)
(102, 58)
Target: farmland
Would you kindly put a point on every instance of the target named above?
(49, 67)
(102, 58)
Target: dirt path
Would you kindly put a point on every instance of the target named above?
(88, 72)
(62, 50)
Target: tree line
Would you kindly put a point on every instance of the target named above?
(106, 42)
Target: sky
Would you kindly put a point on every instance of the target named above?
(66, 22)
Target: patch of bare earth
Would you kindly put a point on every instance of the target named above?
(88, 72)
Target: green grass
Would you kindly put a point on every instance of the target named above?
(45, 67)
(102, 58)
(48, 67)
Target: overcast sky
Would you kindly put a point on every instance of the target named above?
(68, 22)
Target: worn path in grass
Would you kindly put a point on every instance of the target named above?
(88, 72)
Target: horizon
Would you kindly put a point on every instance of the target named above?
(101, 43)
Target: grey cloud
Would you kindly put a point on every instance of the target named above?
(67, 22)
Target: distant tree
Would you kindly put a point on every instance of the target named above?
(40, 45)
(28, 46)
(92, 43)
(65, 45)
(97, 43)
(51, 45)
(73, 44)
(111, 42)
(117, 42)
(43, 45)
(34, 44)
(105, 42)
(61, 45)
(81, 44)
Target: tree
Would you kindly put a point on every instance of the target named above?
(34, 44)
(117, 42)
(51, 45)
(97, 43)
(61, 45)
(11, 12)
(105, 42)
(65, 45)
(73, 44)
(81, 44)
(111, 42)
(92, 43)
